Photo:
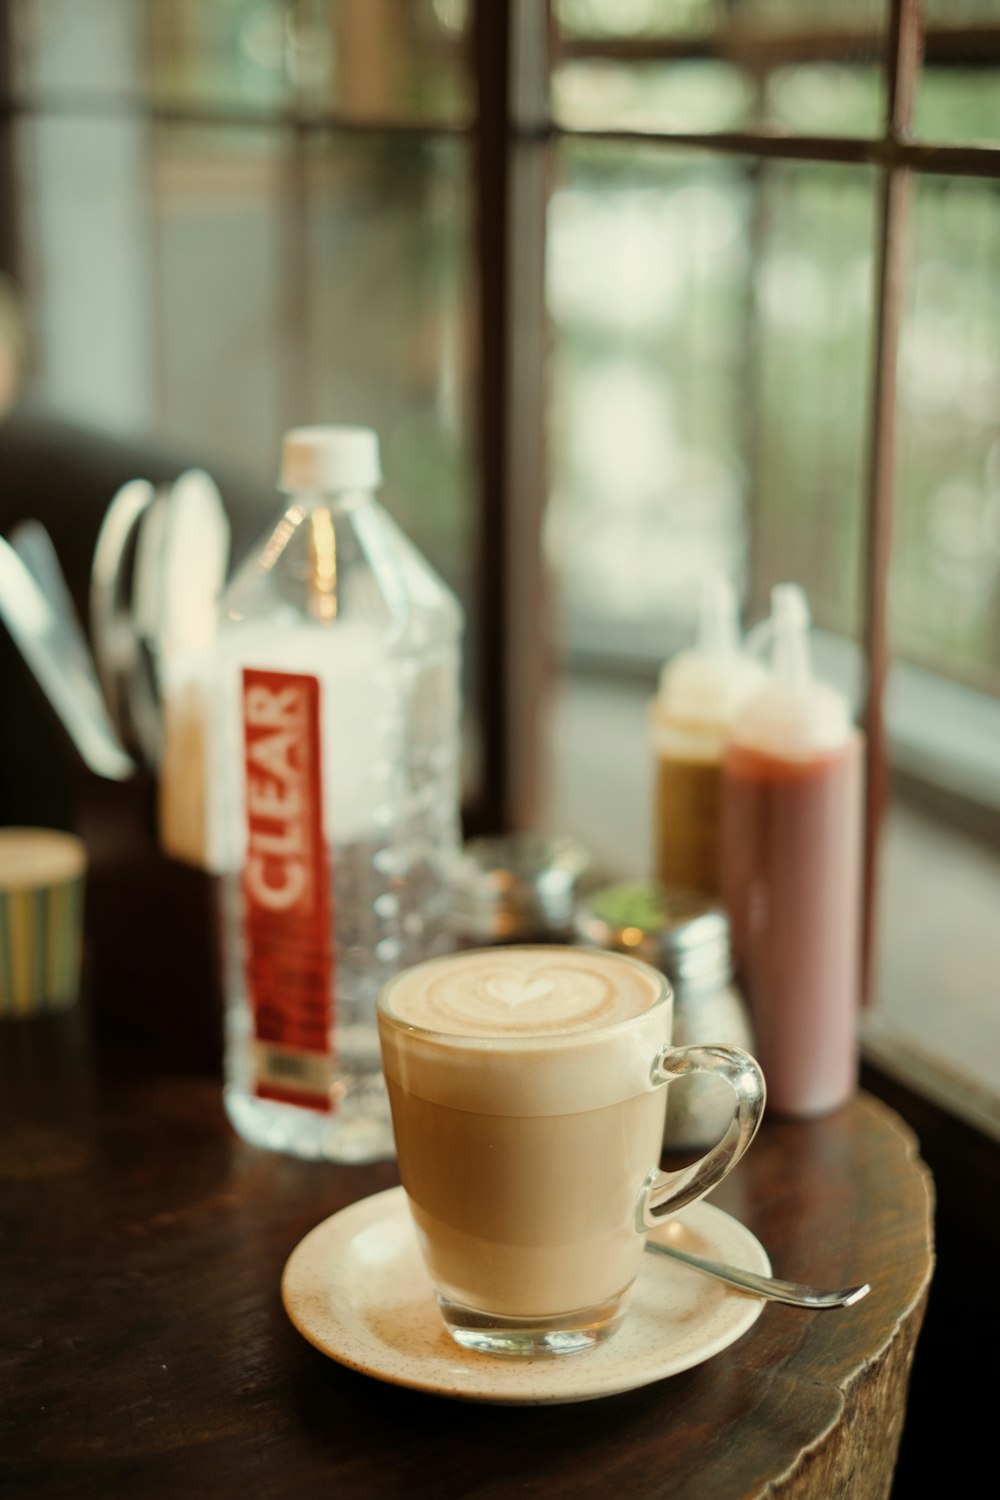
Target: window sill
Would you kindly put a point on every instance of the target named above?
(948, 1086)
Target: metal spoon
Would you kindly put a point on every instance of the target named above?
(790, 1292)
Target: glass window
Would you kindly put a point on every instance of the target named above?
(242, 216)
(385, 299)
(86, 248)
(959, 95)
(808, 389)
(648, 388)
(82, 49)
(388, 232)
(237, 52)
(946, 562)
(363, 59)
(687, 97)
(779, 380)
(216, 206)
(705, 66)
(710, 396)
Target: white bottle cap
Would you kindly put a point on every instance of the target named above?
(330, 458)
(794, 716)
(701, 688)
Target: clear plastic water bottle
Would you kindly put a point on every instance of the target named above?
(335, 797)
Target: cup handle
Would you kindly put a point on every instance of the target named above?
(665, 1192)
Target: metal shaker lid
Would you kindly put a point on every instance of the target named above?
(680, 932)
(517, 885)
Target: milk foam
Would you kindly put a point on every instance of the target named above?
(522, 992)
(524, 1031)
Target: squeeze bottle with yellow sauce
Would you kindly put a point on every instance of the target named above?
(700, 691)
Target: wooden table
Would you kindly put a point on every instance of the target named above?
(145, 1351)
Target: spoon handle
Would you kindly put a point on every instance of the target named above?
(790, 1292)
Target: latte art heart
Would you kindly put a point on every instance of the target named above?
(513, 991)
(522, 992)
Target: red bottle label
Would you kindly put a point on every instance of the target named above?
(287, 895)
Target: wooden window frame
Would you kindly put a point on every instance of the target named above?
(895, 156)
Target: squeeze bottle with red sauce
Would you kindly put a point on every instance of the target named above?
(790, 869)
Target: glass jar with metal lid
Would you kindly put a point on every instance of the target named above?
(686, 937)
(516, 888)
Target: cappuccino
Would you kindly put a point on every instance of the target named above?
(526, 1124)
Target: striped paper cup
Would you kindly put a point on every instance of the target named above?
(41, 920)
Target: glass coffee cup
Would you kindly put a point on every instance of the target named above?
(528, 1102)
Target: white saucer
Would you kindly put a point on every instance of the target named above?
(356, 1288)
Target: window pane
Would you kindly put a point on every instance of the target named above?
(217, 212)
(711, 372)
(370, 59)
(387, 268)
(85, 255)
(959, 94)
(649, 293)
(76, 47)
(683, 97)
(233, 53)
(810, 382)
(827, 98)
(635, 18)
(703, 66)
(388, 291)
(854, 21)
(386, 58)
(687, 18)
(946, 564)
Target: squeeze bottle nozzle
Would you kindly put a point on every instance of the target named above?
(718, 634)
(701, 690)
(790, 621)
(795, 713)
(704, 684)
